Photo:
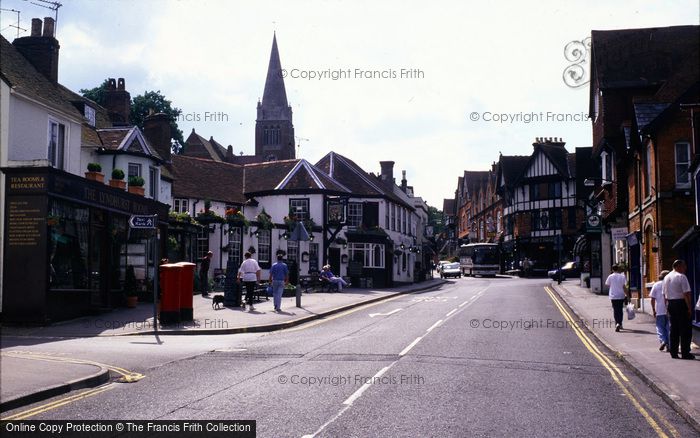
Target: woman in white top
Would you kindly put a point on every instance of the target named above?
(617, 282)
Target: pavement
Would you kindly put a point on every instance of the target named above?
(675, 380)
(28, 379)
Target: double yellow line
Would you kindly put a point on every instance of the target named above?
(126, 377)
(616, 373)
(57, 403)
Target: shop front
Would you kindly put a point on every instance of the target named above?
(68, 245)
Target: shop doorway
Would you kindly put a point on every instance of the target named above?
(334, 260)
(98, 262)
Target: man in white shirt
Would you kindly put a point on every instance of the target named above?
(677, 293)
(617, 282)
(658, 305)
(249, 272)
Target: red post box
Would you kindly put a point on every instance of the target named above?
(170, 299)
(186, 290)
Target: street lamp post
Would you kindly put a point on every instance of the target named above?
(299, 235)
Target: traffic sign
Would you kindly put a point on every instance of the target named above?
(143, 222)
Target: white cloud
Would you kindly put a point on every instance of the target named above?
(501, 57)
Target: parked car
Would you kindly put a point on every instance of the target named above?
(442, 263)
(569, 270)
(451, 270)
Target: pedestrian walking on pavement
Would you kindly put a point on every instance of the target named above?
(204, 274)
(658, 305)
(279, 276)
(676, 290)
(249, 273)
(618, 293)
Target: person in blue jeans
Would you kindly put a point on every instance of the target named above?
(279, 276)
(658, 305)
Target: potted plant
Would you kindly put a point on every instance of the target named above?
(94, 172)
(118, 179)
(130, 287)
(136, 185)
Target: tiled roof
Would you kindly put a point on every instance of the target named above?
(355, 179)
(197, 146)
(127, 139)
(288, 175)
(448, 207)
(644, 57)
(24, 78)
(645, 113)
(200, 178)
(511, 167)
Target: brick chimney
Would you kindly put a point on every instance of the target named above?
(156, 128)
(118, 102)
(387, 174)
(41, 50)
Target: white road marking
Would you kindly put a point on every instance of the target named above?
(465, 303)
(372, 315)
(451, 312)
(364, 387)
(434, 325)
(411, 345)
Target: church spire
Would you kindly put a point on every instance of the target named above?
(274, 130)
(274, 101)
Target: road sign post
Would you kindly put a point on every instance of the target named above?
(150, 222)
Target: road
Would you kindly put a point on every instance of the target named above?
(478, 357)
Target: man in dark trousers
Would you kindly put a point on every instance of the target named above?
(204, 273)
(249, 273)
(677, 293)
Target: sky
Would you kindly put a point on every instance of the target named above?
(437, 87)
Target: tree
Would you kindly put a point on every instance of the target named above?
(141, 106)
(436, 220)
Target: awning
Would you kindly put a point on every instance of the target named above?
(687, 237)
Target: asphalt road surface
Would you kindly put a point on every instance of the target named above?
(477, 357)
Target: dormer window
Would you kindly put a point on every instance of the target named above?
(90, 115)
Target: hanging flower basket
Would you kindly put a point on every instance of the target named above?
(340, 241)
(264, 220)
(235, 217)
(209, 217)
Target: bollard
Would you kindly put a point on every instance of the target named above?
(298, 291)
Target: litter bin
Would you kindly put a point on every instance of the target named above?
(185, 289)
(170, 300)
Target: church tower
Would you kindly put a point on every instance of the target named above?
(274, 131)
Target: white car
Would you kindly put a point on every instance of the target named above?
(451, 270)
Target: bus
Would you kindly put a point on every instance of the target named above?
(479, 259)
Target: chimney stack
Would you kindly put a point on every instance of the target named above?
(387, 174)
(36, 27)
(156, 128)
(404, 183)
(41, 50)
(118, 102)
(229, 154)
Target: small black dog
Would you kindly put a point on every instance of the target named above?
(217, 301)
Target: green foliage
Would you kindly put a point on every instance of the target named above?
(117, 174)
(136, 181)
(94, 167)
(97, 94)
(141, 106)
(435, 219)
